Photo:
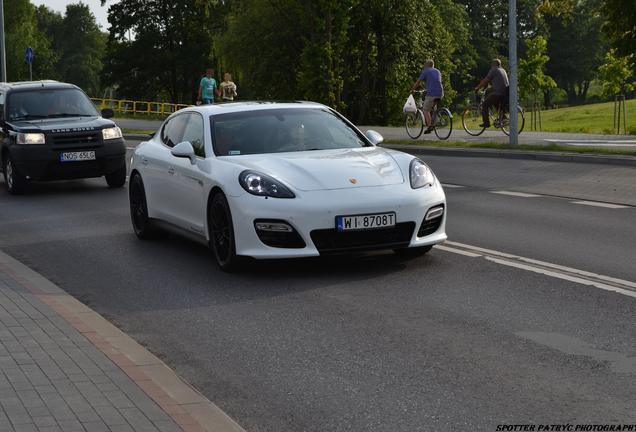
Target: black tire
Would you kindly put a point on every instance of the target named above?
(443, 124)
(221, 232)
(471, 119)
(142, 224)
(414, 252)
(15, 182)
(117, 179)
(505, 125)
(414, 124)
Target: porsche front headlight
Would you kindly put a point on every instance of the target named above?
(420, 174)
(264, 185)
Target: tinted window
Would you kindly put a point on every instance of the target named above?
(281, 130)
(193, 133)
(172, 130)
(43, 103)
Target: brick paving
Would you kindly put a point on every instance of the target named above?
(54, 378)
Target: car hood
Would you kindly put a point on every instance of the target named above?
(327, 169)
(62, 125)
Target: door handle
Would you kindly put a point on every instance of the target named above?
(171, 170)
(144, 161)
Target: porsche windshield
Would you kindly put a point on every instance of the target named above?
(49, 103)
(281, 130)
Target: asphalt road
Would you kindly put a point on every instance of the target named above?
(371, 343)
(625, 142)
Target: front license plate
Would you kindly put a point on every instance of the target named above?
(364, 222)
(77, 156)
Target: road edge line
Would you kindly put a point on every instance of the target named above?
(190, 409)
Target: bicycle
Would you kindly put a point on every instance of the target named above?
(472, 118)
(441, 118)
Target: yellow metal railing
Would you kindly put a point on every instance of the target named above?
(125, 106)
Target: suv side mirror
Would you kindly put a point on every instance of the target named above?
(108, 113)
(375, 137)
(184, 150)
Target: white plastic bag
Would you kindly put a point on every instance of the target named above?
(409, 106)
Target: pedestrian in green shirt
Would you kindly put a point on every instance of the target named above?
(208, 87)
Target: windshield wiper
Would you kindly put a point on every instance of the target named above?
(68, 115)
(27, 117)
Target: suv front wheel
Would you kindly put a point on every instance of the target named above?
(14, 181)
(116, 179)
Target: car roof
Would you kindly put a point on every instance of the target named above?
(34, 85)
(232, 107)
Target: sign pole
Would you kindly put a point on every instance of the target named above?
(512, 48)
(3, 55)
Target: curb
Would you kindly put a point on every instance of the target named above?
(178, 399)
(515, 154)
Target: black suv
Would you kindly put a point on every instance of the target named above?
(52, 131)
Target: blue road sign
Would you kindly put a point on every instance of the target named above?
(28, 55)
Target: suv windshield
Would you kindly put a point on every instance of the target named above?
(49, 103)
(281, 130)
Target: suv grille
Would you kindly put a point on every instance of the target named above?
(331, 240)
(84, 140)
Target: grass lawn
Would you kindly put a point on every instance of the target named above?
(594, 118)
(523, 147)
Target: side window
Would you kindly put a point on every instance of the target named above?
(193, 133)
(172, 130)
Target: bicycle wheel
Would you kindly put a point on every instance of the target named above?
(443, 123)
(521, 122)
(415, 124)
(471, 119)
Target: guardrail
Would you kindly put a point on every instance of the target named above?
(125, 106)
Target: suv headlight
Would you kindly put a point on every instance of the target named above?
(264, 185)
(30, 138)
(420, 174)
(111, 133)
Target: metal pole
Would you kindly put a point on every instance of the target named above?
(512, 48)
(30, 71)
(3, 55)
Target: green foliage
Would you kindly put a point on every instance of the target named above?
(160, 49)
(616, 73)
(620, 24)
(532, 77)
(21, 31)
(575, 48)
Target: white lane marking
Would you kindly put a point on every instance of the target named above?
(131, 148)
(600, 204)
(589, 142)
(554, 270)
(457, 251)
(517, 194)
(448, 185)
(574, 279)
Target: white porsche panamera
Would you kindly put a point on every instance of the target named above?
(282, 180)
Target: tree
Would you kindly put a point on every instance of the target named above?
(21, 31)
(616, 73)
(620, 24)
(532, 77)
(575, 48)
(159, 49)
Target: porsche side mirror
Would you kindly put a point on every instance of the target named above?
(375, 137)
(184, 150)
(108, 113)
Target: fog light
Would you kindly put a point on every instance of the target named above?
(435, 212)
(273, 226)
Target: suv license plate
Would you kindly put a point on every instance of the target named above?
(77, 156)
(364, 222)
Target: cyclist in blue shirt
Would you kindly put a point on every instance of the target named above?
(432, 78)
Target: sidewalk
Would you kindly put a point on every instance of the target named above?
(65, 368)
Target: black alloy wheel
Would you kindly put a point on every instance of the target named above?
(222, 233)
(142, 225)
